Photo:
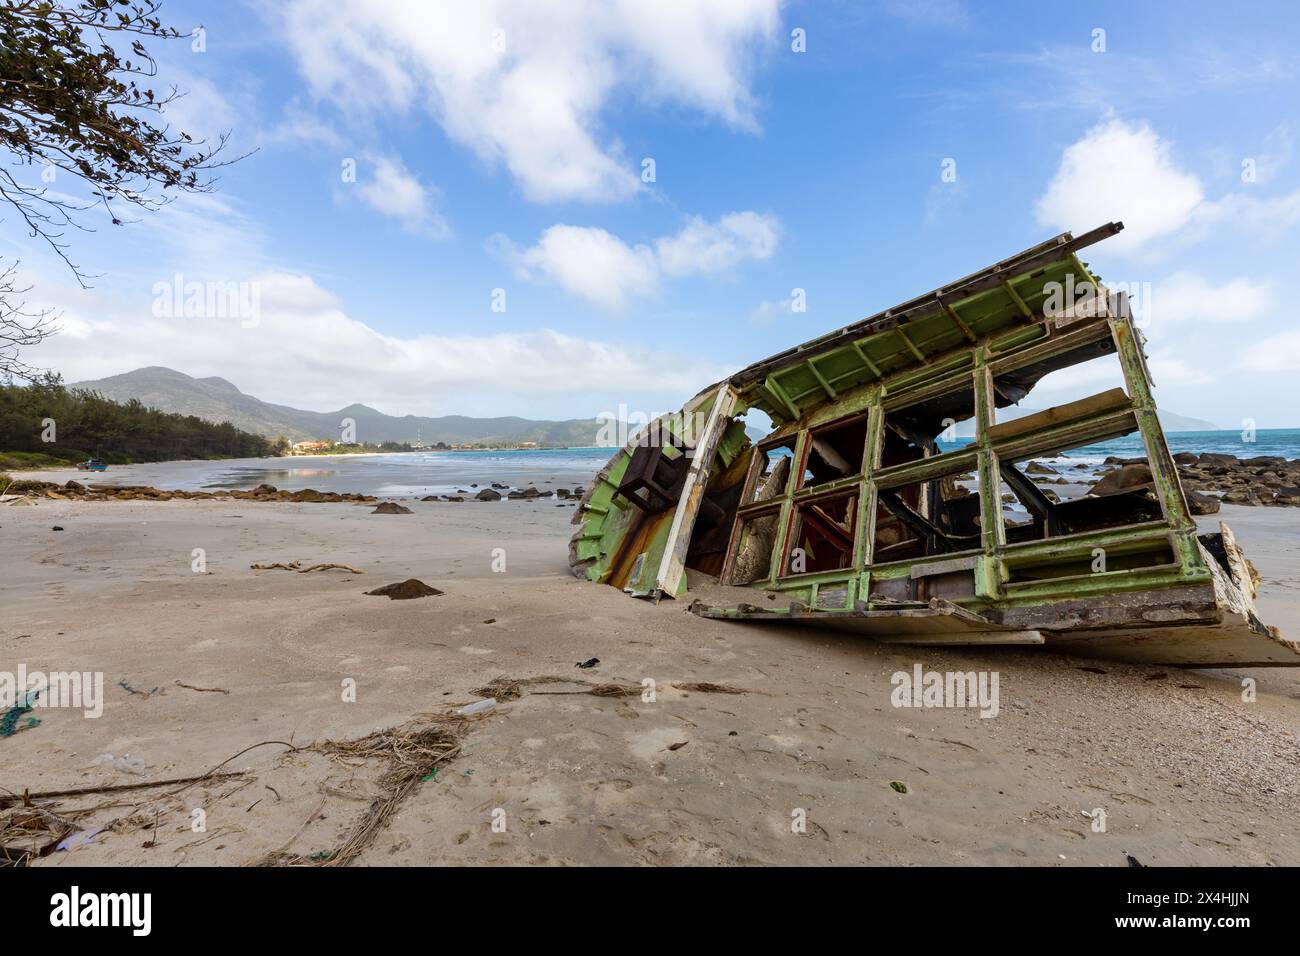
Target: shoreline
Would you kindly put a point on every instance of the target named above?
(64, 466)
(1209, 479)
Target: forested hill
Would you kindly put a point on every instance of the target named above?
(84, 424)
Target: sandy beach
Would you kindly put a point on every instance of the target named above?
(200, 665)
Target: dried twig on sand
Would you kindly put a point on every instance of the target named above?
(412, 752)
(704, 687)
(202, 690)
(297, 566)
(8, 798)
(508, 688)
(40, 828)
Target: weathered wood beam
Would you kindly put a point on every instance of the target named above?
(911, 346)
(895, 505)
(958, 638)
(866, 360)
(774, 388)
(958, 321)
(672, 568)
(1032, 496)
(1025, 311)
(1094, 405)
(821, 380)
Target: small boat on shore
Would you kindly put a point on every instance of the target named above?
(92, 464)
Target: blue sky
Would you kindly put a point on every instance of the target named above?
(500, 146)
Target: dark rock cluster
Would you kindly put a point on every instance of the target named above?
(1262, 480)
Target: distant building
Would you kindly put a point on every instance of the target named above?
(304, 447)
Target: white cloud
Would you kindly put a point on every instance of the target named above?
(598, 266)
(1076, 381)
(1278, 148)
(593, 264)
(703, 247)
(524, 84)
(1273, 353)
(306, 351)
(395, 192)
(1188, 297)
(202, 109)
(1124, 171)
(1269, 215)
(767, 311)
(204, 235)
(301, 125)
(946, 14)
(1120, 171)
(1171, 371)
(1103, 373)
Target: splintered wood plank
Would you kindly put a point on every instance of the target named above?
(1085, 407)
(672, 569)
(965, 638)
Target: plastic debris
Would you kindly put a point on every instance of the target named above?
(478, 707)
(125, 763)
(126, 686)
(13, 721)
(80, 838)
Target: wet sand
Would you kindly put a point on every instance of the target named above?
(1185, 771)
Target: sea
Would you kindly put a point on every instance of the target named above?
(415, 474)
(1272, 442)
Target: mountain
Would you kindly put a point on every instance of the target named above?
(217, 400)
(1171, 422)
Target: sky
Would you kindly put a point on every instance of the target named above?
(554, 210)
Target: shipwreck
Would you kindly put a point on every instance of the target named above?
(862, 511)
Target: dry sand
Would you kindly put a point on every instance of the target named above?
(1186, 772)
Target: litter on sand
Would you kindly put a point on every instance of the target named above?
(478, 707)
(12, 721)
(297, 566)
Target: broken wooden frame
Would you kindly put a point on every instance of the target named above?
(877, 523)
